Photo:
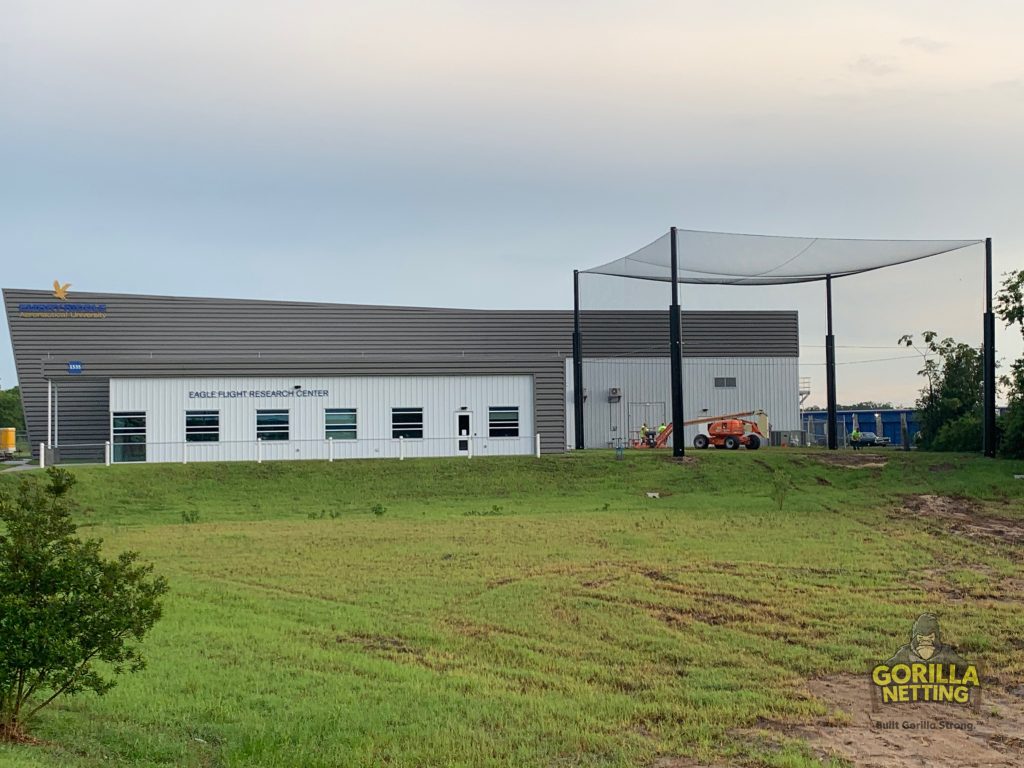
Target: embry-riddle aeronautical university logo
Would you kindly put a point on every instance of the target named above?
(927, 670)
(62, 309)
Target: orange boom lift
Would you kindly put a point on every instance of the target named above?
(729, 431)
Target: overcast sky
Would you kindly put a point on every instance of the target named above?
(474, 153)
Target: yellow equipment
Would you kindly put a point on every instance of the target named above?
(7, 441)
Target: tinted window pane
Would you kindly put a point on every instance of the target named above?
(129, 422)
(335, 416)
(407, 418)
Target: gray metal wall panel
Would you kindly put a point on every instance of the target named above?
(175, 336)
(768, 384)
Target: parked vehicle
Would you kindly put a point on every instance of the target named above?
(871, 439)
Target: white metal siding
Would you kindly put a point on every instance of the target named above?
(770, 384)
(165, 402)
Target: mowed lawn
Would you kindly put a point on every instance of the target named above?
(524, 612)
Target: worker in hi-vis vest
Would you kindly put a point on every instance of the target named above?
(855, 439)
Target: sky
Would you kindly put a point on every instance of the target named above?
(473, 154)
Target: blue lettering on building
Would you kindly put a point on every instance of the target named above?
(62, 309)
(74, 367)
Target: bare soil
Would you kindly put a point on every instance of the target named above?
(964, 517)
(913, 735)
(17, 736)
(853, 460)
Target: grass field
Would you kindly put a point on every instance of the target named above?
(523, 612)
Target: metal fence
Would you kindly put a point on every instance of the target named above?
(286, 450)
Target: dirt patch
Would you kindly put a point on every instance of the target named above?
(682, 459)
(18, 736)
(681, 762)
(992, 585)
(988, 736)
(380, 643)
(944, 466)
(964, 517)
(853, 460)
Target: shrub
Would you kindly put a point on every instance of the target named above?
(782, 484)
(189, 516)
(960, 434)
(1011, 426)
(63, 607)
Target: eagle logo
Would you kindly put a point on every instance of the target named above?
(61, 291)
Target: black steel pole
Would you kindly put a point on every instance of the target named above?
(676, 352)
(989, 360)
(830, 369)
(577, 361)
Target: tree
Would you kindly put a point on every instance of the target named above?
(70, 620)
(1010, 309)
(10, 409)
(949, 407)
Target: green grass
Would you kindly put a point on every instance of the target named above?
(523, 612)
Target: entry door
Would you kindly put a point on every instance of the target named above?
(462, 426)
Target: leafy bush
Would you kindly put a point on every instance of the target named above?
(10, 409)
(1011, 426)
(953, 371)
(960, 434)
(63, 608)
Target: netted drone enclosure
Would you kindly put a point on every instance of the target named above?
(737, 359)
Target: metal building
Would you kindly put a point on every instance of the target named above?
(193, 379)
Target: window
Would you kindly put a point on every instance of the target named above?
(272, 424)
(340, 423)
(725, 382)
(503, 421)
(407, 423)
(202, 426)
(128, 436)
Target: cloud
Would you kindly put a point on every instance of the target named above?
(926, 44)
(876, 66)
(1013, 89)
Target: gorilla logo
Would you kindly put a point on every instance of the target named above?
(926, 646)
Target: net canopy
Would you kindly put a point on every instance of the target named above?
(721, 258)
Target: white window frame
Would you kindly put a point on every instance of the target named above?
(274, 429)
(341, 431)
(493, 425)
(192, 432)
(411, 427)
